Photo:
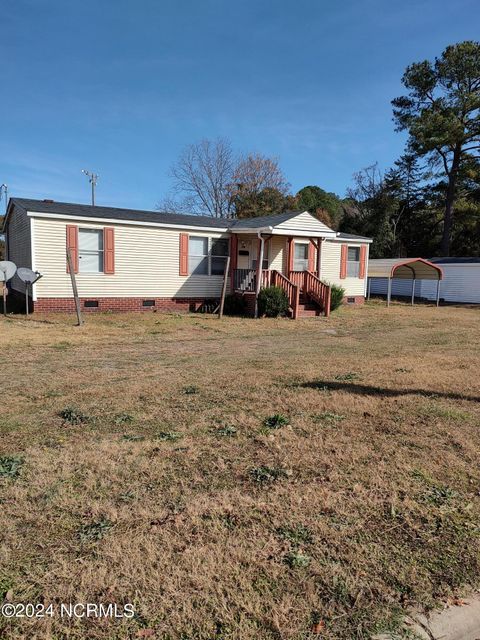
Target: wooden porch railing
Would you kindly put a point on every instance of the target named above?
(292, 290)
(246, 279)
(305, 281)
(318, 291)
(313, 287)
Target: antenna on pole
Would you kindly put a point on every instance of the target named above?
(4, 189)
(92, 178)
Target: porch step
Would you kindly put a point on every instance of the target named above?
(307, 310)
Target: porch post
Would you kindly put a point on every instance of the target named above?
(261, 242)
(233, 259)
(319, 256)
(289, 256)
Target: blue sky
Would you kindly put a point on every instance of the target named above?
(121, 86)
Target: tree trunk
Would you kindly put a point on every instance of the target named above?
(449, 203)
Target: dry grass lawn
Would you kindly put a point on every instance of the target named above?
(138, 466)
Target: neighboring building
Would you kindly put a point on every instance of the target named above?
(460, 283)
(129, 260)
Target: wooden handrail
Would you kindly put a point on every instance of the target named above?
(292, 290)
(318, 291)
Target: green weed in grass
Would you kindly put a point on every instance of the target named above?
(10, 466)
(132, 437)
(297, 535)
(227, 431)
(94, 531)
(351, 375)
(123, 418)
(190, 390)
(264, 474)
(328, 416)
(73, 416)
(276, 421)
(297, 560)
(169, 436)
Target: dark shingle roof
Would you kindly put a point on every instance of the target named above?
(455, 260)
(89, 211)
(350, 236)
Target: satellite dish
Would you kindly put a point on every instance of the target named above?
(27, 275)
(7, 270)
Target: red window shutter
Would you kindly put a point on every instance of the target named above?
(343, 261)
(108, 250)
(183, 267)
(311, 257)
(72, 244)
(363, 256)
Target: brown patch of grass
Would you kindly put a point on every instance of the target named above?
(148, 475)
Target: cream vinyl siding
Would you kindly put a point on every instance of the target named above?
(277, 251)
(330, 268)
(146, 264)
(19, 243)
(305, 222)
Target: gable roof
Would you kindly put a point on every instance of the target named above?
(130, 215)
(266, 221)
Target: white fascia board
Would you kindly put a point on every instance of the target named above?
(285, 232)
(133, 223)
(351, 240)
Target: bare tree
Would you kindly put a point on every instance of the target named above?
(255, 172)
(202, 177)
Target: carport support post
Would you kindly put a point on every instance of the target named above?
(413, 291)
(389, 291)
(438, 292)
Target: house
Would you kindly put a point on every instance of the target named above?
(460, 282)
(128, 260)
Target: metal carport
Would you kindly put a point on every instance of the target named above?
(404, 269)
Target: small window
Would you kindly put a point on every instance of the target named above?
(90, 303)
(353, 262)
(351, 300)
(148, 303)
(90, 254)
(300, 257)
(198, 256)
(219, 256)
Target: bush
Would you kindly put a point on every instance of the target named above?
(272, 302)
(336, 296)
(234, 305)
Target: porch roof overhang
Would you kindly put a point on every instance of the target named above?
(276, 231)
(405, 269)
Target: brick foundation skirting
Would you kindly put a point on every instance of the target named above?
(120, 305)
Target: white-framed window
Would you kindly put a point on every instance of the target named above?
(219, 254)
(90, 250)
(353, 262)
(265, 261)
(198, 256)
(300, 256)
(207, 256)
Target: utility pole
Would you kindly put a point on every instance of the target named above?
(92, 178)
